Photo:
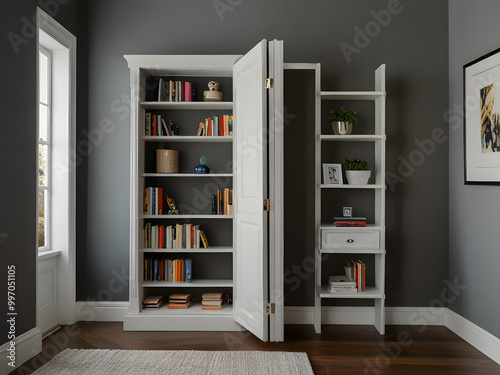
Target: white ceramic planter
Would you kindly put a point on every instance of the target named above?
(358, 177)
(341, 128)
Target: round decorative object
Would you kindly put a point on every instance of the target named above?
(202, 168)
(212, 95)
(358, 177)
(341, 128)
(167, 161)
(347, 211)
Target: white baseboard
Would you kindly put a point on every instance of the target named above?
(101, 311)
(27, 346)
(365, 315)
(482, 340)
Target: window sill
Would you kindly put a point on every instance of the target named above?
(48, 254)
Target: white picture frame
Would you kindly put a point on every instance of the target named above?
(332, 174)
(482, 120)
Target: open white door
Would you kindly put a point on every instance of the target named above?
(250, 178)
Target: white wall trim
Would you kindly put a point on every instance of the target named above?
(482, 340)
(101, 311)
(27, 346)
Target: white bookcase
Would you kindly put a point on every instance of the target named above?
(339, 242)
(236, 262)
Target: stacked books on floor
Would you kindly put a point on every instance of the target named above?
(178, 236)
(164, 269)
(179, 301)
(342, 284)
(222, 202)
(153, 302)
(342, 221)
(211, 301)
(221, 126)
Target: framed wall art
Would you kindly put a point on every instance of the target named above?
(482, 120)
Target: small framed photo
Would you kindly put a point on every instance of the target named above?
(332, 174)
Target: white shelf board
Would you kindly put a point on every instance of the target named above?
(352, 95)
(188, 138)
(343, 229)
(348, 186)
(196, 283)
(187, 105)
(351, 251)
(187, 175)
(176, 217)
(353, 138)
(194, 309)
(210, 249)
(370, 292)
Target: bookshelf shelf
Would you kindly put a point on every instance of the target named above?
(353, 138)
(367, 242)
(188, 138)
(348, 186)
(194, 309)
(196, 283)
(352, 95)
(208, 250)
(196, 175)
(187, 105)
(178, 217)
(370, 292)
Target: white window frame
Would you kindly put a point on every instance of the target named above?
(48, 143)
(62, 44)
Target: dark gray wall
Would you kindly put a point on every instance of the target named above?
(18, 153)
(415, 52)
(474, 235)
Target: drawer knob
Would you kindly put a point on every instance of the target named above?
(350, 240)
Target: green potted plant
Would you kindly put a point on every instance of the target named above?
(343, 120)
(357, 171)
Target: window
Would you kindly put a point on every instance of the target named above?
(44, 147)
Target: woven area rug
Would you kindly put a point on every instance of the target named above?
(178, 362)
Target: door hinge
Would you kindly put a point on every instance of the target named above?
(269, 83)
(270, 308)
(267, 205)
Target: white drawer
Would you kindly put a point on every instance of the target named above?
(333, 239)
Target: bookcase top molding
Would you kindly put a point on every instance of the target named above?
(184, 64)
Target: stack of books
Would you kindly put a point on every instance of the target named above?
(342, 284)
(153, 302)
(211, 301)
(343, 221)
(179, 301)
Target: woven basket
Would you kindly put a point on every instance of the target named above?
(167, 161)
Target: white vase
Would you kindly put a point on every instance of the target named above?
(358, 177)
(341, 127)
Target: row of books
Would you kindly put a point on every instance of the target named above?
(209, 301)
(165, 269)
(176, 91)
(358, 271)
(216, 126)
(156, 125)
(349, 221)
(154, 200)
(222, 202)
(176, 236)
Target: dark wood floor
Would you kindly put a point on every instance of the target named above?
(337, 350)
